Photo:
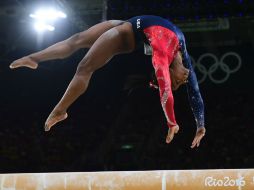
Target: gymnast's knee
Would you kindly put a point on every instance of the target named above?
(84, 70)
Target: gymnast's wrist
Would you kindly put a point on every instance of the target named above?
(172, 125)
(200, 126)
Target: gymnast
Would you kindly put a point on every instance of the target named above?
(170, 60)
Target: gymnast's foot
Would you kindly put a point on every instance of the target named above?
(24, 62)
(54, 118)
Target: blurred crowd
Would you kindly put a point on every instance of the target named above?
(127, 132)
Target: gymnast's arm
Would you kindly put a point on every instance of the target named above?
(194, 95)
(166, 96)
(167, 100)
(196, 102)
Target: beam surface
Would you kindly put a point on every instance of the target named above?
(235, 179)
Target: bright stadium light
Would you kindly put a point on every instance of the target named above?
(40, 27)
(48, 14)
(45, 18)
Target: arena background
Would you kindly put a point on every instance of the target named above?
(119, 124)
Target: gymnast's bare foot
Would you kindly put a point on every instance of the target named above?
(54, 118)
(24, 62)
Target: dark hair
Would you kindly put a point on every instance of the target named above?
(140, 81)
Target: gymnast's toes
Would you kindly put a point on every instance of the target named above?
(53, 119)
(24, 62)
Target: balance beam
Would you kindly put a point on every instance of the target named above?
(232, 179)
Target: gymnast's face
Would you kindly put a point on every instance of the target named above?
(178, 73)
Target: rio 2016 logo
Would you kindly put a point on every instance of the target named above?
(225, 182)
(223, 65)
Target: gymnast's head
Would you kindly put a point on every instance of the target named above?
(178, 73)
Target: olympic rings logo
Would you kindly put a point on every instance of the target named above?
(217, 65)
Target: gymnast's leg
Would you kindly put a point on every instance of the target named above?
(119, 39)
(67, 47)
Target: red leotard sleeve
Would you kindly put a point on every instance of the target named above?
(161, 67)
(165, 44)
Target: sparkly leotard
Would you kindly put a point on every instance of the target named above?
(166, 39)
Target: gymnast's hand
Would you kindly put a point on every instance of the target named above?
(171, 133)
(200, 133)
